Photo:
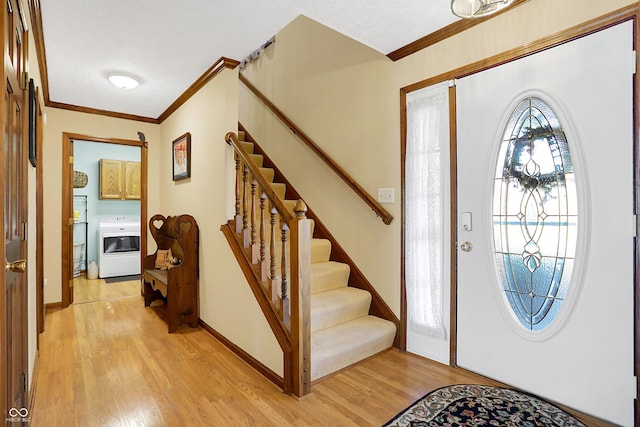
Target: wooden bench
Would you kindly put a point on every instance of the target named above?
(174, 283)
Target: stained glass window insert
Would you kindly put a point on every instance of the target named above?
(535, 214)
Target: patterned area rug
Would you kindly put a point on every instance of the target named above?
(478, 405)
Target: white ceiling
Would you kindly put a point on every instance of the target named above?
(170, 44)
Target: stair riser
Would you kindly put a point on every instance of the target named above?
(343, 345)
(335, 307)
(320, 251)
(325, 279)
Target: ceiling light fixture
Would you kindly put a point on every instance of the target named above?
(123, 81)
(477, 8)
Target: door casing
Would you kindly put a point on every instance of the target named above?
(67, 203)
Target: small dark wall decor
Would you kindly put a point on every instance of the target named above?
(33, 123)
(181, 153)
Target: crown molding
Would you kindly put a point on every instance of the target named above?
(444, 33)
(213, 71)
(107, 113)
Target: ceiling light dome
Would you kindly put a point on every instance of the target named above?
(123, 81)
(477, 8)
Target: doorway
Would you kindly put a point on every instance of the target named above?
(106, 213)
(94, 289)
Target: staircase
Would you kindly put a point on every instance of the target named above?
(342, 331)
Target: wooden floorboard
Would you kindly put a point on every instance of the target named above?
(112, 363)
(89, 290)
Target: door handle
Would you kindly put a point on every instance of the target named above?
(17, 266)
(466, 246)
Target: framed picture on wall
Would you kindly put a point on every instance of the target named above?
(181, 151)
(33, 123)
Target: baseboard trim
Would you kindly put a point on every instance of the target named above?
(243, 355)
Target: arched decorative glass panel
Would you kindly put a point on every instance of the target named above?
(535, 214)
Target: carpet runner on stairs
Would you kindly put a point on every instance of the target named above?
(342, 331)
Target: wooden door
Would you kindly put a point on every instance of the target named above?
(14, 165)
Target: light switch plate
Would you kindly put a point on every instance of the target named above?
(386, 195)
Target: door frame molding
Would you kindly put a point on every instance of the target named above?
(628, 13)
(39, 225)
(67, 202)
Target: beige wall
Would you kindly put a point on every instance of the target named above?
(57, 122)
(346, 97)
(226, 301)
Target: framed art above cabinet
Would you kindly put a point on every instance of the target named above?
(119, 180)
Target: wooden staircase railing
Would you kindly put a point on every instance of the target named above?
(276, 263)
(381, 212)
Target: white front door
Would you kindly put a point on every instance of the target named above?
(584, 358)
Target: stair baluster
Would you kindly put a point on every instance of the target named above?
(274, 282)
(245, 213)
(284, 279)
(238, 216)
(254, 244)
(263, 255)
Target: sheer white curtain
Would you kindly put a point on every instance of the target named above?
(427, 141)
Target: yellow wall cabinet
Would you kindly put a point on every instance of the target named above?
(119, 180)
(132, 189)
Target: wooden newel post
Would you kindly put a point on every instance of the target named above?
(300, 295)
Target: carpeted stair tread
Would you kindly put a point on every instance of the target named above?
(337, 306)
(279, 188)
(329, 275)
(257, 159)
(268, 173)
(241, 135)
(247, 147)
(347, 343)
(320, 250)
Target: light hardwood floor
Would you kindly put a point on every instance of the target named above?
(88, 290)
(112, 363)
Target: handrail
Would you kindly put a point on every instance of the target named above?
(366, 197)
